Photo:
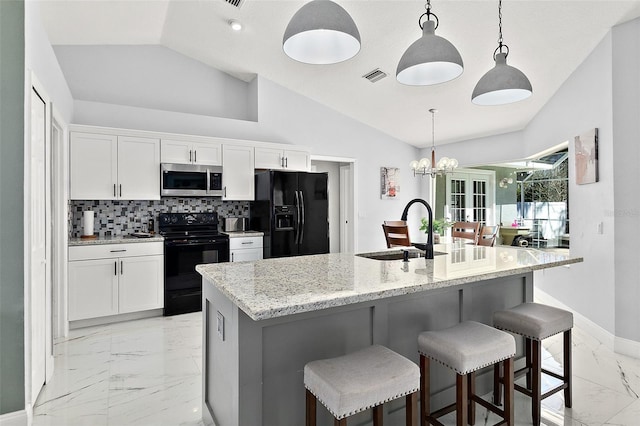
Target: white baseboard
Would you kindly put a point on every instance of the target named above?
(15, 418)
(627, 347)
(590, 327)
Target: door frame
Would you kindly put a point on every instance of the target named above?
(33, 84)
(60, 224)
(350, 216)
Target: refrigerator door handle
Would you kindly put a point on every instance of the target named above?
(303, 214)
(297, 224)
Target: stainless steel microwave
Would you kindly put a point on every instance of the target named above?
(190, 180)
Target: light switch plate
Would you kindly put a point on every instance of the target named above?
(220, 325)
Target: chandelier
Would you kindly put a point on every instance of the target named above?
(430, 167)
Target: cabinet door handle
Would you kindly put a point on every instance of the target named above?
(118, 251)
(115, 268)
(225, 191)
(281, 161)
(121, 190)
(190, 151)
(247, 242)
(114, 189)
(286, 162)
(232, 255)
(195, 156)
(121, 267)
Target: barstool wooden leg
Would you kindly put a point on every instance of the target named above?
(342, 422)
(536, 388)
(462, 400)
(567, 368)
(527, 349)
(425, 390)
(310, 409)
(471, 386)
(509, 414)
(377, 415)
(497, 386)
(412, 412)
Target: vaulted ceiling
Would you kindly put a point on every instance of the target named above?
(548, 40)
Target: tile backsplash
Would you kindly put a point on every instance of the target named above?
(118, 218)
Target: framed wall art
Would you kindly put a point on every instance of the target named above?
(586, 153)
(389, 182)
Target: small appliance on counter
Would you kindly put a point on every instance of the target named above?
(235, 224)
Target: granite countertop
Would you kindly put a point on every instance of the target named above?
(272, 288)
(113, 240)
(240, 234)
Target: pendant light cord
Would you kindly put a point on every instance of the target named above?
(428, 14)
(501, 45)
(499, 22)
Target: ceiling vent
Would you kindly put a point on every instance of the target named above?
(375, 75)
(235, 3)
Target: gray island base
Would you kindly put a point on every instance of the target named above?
(264, 320)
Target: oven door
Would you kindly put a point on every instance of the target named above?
(183, 285)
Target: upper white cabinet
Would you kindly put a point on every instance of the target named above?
(188, 152)
(112, 167)
(282, 159)
(237, 172)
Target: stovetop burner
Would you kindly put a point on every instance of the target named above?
(186, 225)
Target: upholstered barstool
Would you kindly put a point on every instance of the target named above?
(536, 322)
(361, 380)
(466, 348)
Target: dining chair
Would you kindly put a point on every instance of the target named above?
(466, 230)
(487, 236)
(396, 233)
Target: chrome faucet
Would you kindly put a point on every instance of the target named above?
(428, 252)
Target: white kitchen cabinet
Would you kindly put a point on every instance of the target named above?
(188, 152)
(282, 159)
(93, 166)
(237, 172)
(93, 288)
(113, 279)
(112, 167)
(245, 248)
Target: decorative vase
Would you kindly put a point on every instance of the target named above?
(436, 238)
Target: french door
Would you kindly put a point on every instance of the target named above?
(470, 196)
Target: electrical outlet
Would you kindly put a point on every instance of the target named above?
(220, 325)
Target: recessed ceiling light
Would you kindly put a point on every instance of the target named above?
(235, 25)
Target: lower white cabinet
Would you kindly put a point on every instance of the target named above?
(245, 248)
(113, 279)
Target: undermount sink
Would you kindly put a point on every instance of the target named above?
(397, 255)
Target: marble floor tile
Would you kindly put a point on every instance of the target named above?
(148, 372)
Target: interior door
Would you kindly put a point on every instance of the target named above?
(471, 196)
(38, 243)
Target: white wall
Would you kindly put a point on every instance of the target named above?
(152, 77)
(626, 176)
(41, 60)
(583, 102)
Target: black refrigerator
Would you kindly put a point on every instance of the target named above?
(292, 209)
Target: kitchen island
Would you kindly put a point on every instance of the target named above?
(264, 320)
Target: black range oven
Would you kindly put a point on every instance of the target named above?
(190, 239)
